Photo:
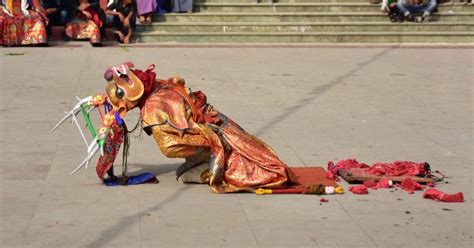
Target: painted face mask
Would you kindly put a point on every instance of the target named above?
(124, 89)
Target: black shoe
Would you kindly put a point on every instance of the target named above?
(393, 17)
(400, 18)
(411, 18)
(419, 19)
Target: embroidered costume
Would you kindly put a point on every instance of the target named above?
(85, 25)
(22, 22)
(216, 150)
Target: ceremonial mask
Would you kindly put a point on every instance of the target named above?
(124, 89)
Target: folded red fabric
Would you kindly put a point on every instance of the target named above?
(370, 183)
(396, 168)
(439, 195)
(359, 189)
(410, 185)
(384, 183)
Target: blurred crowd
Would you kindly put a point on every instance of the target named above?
(30, 22)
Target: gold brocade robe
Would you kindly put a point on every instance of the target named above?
(238, 161)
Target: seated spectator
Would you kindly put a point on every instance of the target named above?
(180, 6)
(23, 23)
(86, 22)
(145, 9)
(121, 16)
(57, 11)
(390, 6)
(410, 8)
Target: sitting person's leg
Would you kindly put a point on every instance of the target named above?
(129, 26)
(407, 10)
(392, 10)
(103, 19)
(112, 21)
(403, 8)
(429, 8)
(128, 35)
(148, 18)
(142, 19)
(54, 20)
(120, 35)
(64, 17)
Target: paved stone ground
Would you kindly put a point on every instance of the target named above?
(311, 104)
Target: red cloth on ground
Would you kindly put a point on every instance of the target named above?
(343, 164)
(384, 183)
(332, 172)
(438, 195)
(410, 185)
(370, 184)
(323, 200)
(396, 168)
(359, 189)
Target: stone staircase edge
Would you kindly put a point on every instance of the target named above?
(158, 33)
(387, 23)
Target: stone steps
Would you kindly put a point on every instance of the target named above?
(297, 27)
(280, 1)
(319, 37)
(305, 21)
(301, 17)
(307, 7)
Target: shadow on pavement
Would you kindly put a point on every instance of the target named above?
(319, 90)
(125, 222)
(156, 169)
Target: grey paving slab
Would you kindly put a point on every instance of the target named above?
(311, 105)
(293, 208)
(304, 233)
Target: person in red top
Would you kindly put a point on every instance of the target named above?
(86, 23)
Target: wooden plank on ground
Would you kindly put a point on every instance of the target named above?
(357, 175)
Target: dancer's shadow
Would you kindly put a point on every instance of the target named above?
(319, 90)
(157, 169)
(125, 222)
